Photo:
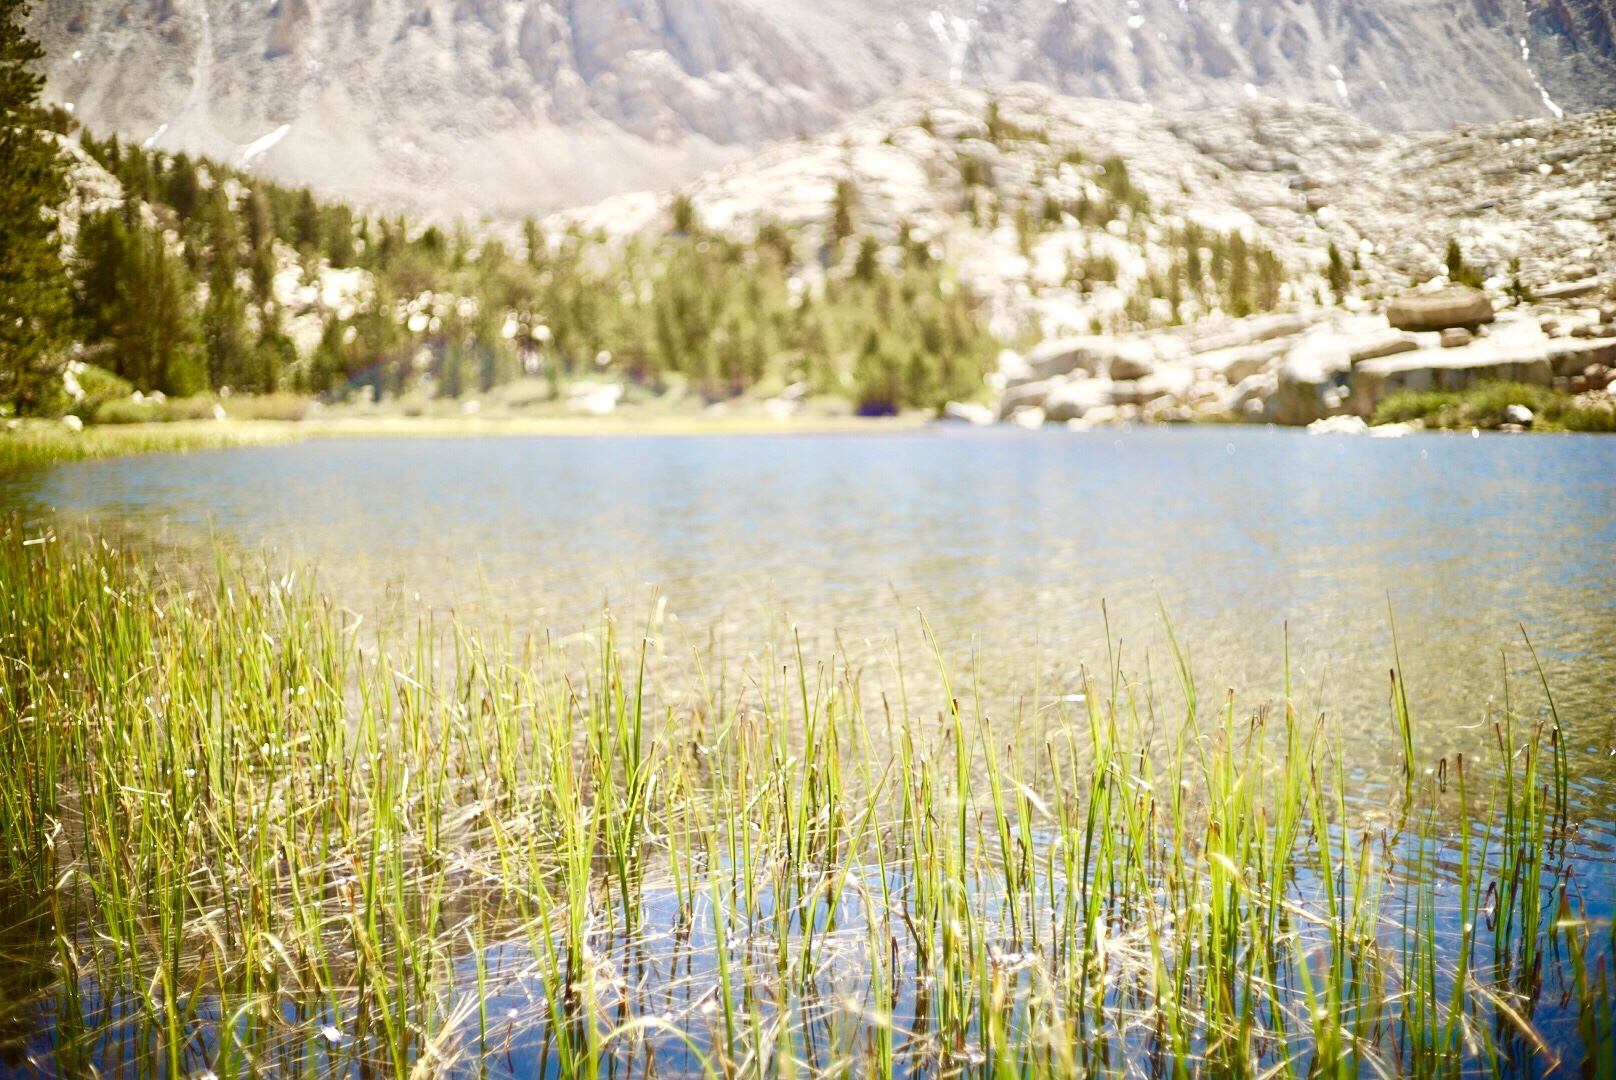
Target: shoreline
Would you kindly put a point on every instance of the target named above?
(46, 443)
(42, 443)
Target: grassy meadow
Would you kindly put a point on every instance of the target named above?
(252, 833)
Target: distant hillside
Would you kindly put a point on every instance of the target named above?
(887, 261)
(469, 107)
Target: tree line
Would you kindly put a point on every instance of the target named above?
(175, 291)
(179, 290)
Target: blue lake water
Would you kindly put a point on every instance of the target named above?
(1008, 541)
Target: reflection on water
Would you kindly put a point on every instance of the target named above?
(1006, 540)
(829, 974)
(853, 936)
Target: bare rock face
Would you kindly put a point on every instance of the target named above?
(1107, 357)
(1572, 358)
(1313, 381)
(449, 105)
(509, 108)
(1447, 369)
(1450, 308)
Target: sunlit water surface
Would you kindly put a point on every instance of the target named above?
(1007, 541)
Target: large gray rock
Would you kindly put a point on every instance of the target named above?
(1031, 393)
(1063, 356)
(1373, 346)
(1013, 367)
(1569, 290)
(968, 412)
(1074, 399)
(1249, 400)
(1117, 358)
(1448, 369)
(1456, 305)
(1171, 383)
(1236, 364)
(1313, 381)
(1574, 356)
(1518, 415)
(1131, 360)
(1249, 331)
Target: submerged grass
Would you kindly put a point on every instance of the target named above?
(249, 836)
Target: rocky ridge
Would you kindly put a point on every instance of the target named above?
(1531, 206)
(1071, 221)
(469, 107)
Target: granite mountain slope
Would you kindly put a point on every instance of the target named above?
(1101, 236)
(462, 107)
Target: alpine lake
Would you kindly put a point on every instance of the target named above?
(956, 752)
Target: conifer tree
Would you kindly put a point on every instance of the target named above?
(137, 297)
(184, 186)
(1340, 276)
(1240, 302)
(224, 316)
(306, 222)
(35, 300)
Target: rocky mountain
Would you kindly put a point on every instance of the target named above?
(1100, 237)
(1242, 262)
(992, 177)
(507, 107)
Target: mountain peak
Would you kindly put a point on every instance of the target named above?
(471, 106)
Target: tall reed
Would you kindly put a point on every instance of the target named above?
(248, 833)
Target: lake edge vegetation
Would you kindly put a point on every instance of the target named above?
(246, 830)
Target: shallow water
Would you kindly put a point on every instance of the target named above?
(657, 993)
(1007, 541)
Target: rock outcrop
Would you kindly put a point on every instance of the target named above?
(470, 106)
(1339, 366)
(1456, 307)
(923, 165)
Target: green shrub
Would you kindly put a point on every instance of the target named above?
(1483, 407)
(268, 407)
(156, 410)
(126, 411)
(98, 385)
(1600, 418)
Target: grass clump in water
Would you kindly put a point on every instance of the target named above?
(1483, 407)
(32, 444)
(247, 834)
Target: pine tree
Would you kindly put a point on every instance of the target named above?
(35, 300)
(1340, 276)
(1240, 301)
(842, 210)
(306, 222)
(224, 332)
(260, 220)
(867, 265)
(275, 353)
(1459, 272)
(224, 317)
(184, 190)
(137, 298)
